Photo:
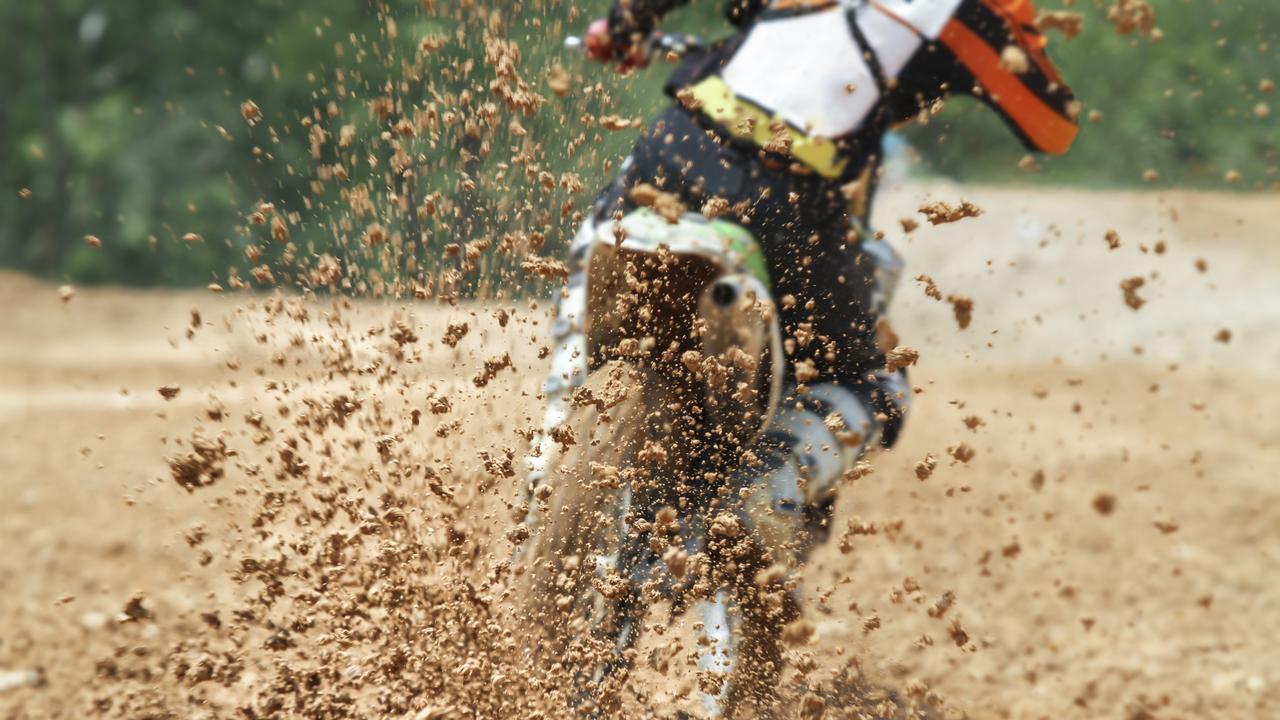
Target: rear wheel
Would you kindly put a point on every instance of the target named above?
(572, 589)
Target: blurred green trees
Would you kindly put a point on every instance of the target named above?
(1187, 106)
(122, 120)
(108, 115)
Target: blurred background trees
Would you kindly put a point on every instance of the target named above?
(122, 120)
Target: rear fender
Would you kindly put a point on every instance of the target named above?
(661, 289)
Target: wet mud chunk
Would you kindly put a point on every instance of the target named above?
(1130, 286)
(900, 357)
(666, 204)
(1068, 23)
(202, 466)
(930, 287)
(250, 111)
(454, 334)
(492, 367)
(962, 306)
(1014, 59)
(1132, 16)
(546, 267)
(961, 452)
(1104, 503)
(925, 467)
(940, 213)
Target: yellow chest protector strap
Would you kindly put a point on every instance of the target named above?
(748, 121)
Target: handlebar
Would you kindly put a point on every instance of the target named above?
(657, 44)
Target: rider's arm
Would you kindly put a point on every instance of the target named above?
(631, 21)
(1000, 57)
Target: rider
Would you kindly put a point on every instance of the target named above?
(781, 126)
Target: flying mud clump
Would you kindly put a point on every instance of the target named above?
(941, 213)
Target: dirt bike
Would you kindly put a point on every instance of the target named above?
(667, 372)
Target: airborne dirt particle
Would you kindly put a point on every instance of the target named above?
(134, 610)
(941, 213)
(375, 234)
(780, 139)
(202, 466)
(925, 467)
(806, 371)
(900, 357)
(1130, 16)
(454, 334)
(962, 307)
(1104, 503)
(686, 98)
(930, 288)
(799, 633)
(1066, 22)
(492, 367)
(546, 267)
(1130, 288)
(961, 452)
(666, 204)
(726, 525)
(942, 605)
(250, 111)
(715, 207)
(1014, 59)
(559, 80)
(615, 122)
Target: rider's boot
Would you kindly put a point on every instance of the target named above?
(813, 440)
(783, 502)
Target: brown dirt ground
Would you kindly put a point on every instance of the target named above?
(1070, 612)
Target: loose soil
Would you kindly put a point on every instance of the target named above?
(1097, 539)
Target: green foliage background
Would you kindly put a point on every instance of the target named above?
(110, 115)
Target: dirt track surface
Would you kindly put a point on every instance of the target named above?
(1112, 545)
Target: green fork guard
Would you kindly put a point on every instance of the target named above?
(726, 243)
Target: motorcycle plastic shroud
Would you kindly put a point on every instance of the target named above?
(699, 285)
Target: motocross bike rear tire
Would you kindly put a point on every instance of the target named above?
(613, 437)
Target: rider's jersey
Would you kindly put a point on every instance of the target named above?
(821, 80)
